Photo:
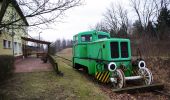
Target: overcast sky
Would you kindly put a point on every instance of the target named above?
(78, 19)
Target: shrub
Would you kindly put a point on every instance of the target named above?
(6, 66)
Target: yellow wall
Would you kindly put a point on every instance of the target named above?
(19, 32)
(5, 51)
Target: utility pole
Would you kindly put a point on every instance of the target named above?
(39, 35)
(13, 49)
(39, 40)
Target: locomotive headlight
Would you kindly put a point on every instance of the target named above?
(112, 66)
(141, 64)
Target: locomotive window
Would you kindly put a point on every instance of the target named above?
(114, 49)
(124, 50)
(86, 38)
(75, 40)
(102, 36)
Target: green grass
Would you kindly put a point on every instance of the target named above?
(49, 86)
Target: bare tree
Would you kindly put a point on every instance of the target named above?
(147, 10)
(160, 4)
(38, 12)
(110, 17)
(101, 26)
(116, 17)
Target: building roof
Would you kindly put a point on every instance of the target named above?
(16, 6)
(18, 9)
(35, 40)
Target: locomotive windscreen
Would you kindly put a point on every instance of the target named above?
(86, 38)
(114, 50)
(102, 36)
(124, 50)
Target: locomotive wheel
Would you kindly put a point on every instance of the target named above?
(120, 77)
(147, 75)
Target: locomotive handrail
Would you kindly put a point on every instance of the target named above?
(100, 50)
(139, 53)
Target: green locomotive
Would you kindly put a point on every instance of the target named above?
(108, 59)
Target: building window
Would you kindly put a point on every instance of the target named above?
(9, 44)
(5, 44)
(20, 48)
(15, 48)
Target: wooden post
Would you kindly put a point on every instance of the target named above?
(48, 48)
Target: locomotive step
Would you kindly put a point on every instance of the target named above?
(158, 86)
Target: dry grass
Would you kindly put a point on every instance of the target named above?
(67, 53)
(158, 66)
(150, 47)
(160, 69)
(49, 86)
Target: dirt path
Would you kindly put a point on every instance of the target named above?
(32, 64)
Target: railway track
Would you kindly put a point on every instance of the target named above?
(157, 88)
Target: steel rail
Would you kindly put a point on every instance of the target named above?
(64, 58)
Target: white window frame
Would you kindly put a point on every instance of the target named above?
(9, 44)
(20, 48)
(5, 45)
(15, 48)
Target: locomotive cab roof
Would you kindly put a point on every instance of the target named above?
(94, 36)
(94, 32)
(90, 36)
